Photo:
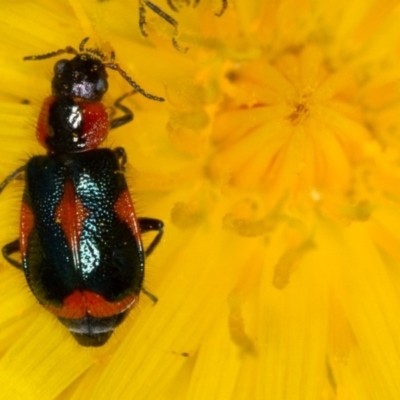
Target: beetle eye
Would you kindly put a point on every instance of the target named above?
(101, 85)
(60, 66)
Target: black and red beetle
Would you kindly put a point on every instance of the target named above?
(80, 239)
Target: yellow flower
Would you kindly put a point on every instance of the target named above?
(274, 164)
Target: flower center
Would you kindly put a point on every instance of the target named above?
(292, 129)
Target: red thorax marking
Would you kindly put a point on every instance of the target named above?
(95, 123)
(95, 127)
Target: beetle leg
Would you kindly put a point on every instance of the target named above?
(196, 3)
(151, 224)
(166, 17)
(14, 175)
(126, 117)
(151, 296)
(142, 18)
(223, 8)
(12, 247)
(173, 7)
(9, 249)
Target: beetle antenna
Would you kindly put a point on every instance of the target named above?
(117, 68)
(82, 44)
(67, 50)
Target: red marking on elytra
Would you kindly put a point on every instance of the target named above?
(123, 207)
(70, 214)
(84, 302)
(27, 222)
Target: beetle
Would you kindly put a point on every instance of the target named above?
(80, 239)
